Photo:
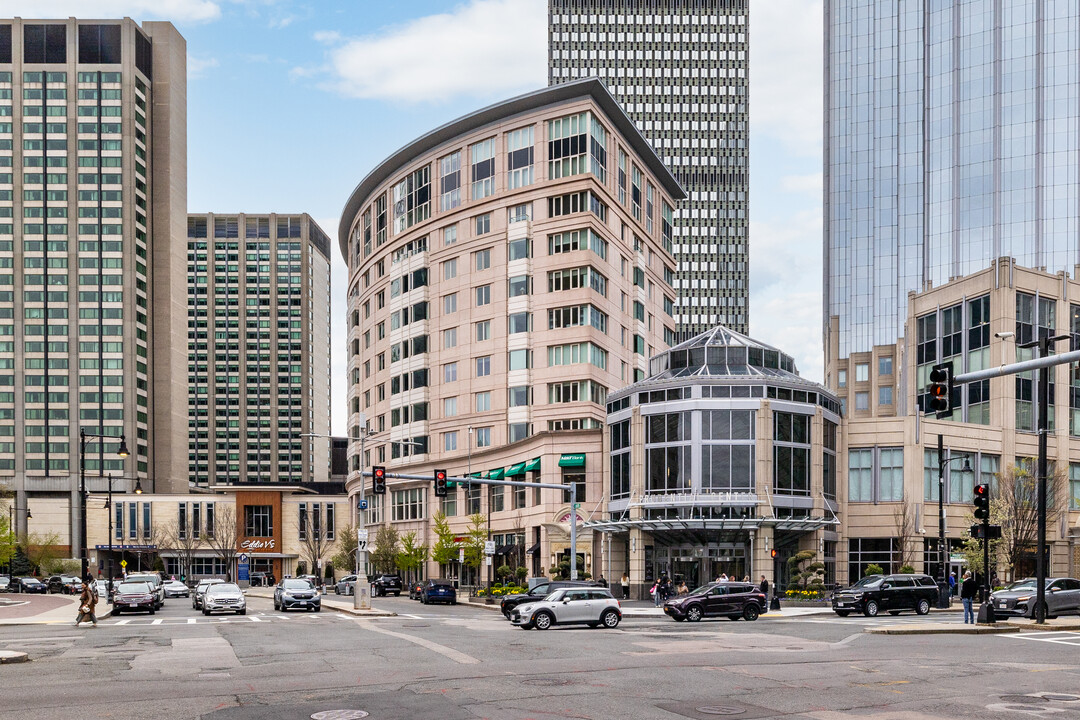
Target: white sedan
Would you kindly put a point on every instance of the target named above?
(594, 607)
(175, 588)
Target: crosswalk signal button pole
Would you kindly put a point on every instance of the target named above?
(378, 480)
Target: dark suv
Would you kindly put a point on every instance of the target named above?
(384, 584)
(722, 599)
(541, 591)
(894, 593)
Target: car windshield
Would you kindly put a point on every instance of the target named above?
(1022, 585)
(555, 596)
(223, 588)
(702, 590)
(296, 584)
(869, 581)
(151, 579)
(440, 583)
(133, 587)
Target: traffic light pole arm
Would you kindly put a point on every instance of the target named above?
(1019, 367)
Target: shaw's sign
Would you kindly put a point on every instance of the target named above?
(257, 545)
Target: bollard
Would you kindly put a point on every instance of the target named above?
(986, 615)
(774, 604)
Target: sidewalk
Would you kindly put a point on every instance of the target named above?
(44, 610)
(329, 602)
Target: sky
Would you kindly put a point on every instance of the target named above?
(292, 103)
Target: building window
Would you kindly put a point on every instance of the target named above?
(578, 479)
(496, 499)
(519, 286)
(482, 224)
(483, 366)
(885, 395)
(483, 330)
(870, 551)
(519, 396)
(449, 303)
(472, 499)
(483, 401)
(727, 450)
(1035, 318)
(518, 431)
(450, 372)
(884, 366)
(449, 338)
(519, 158)
(620, 459)
(667, 453)
(862, 401)
(449, 235)
(1074, 486)
(258, 521)
(519, 359)
(450, 182)
(483, 259)
(483, 295)
(449, 503)
(635, 192)
(519, 323)
(791, 454)
(407, 504)
(483, 437)
(841, 378)
(568, 145)
(828, 464)
(482, 155)
(449, 407)
(891, 475)
(412, 199)
(862, 372)
(449, 269)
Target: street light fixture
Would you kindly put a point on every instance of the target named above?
(121, 451)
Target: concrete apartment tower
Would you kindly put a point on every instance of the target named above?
(258, 375)
(92, 296)
(680, 70)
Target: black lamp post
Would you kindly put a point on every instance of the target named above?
(943, 583)
(121, 451)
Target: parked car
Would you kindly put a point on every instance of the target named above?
(101, 589)
(296, 593)
(154, 581)
(894, 593)
(588, 606)
(175, 588)
(345, 586)
(385, 584)
(29, 585)
(134, 597)
(5, 583)
(200, 590)
(434, 591)
(415, 588)
(539, 592)
(66, 584)
(224, 597)
(722, 599)
(259, 578)
(1018, 599)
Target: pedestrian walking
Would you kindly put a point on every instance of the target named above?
(967, 596)
(952, 584)
(723, 577)
(764, 587)
(683, 590)
(87, 603)
(625, 582)
(655, 591)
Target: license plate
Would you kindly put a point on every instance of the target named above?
(1002, 604)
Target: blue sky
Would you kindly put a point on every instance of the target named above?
(291, 103)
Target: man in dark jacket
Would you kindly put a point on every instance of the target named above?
(968, 590)
(764, 587)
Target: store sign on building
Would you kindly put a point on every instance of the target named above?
(566, 518)
(257, 545)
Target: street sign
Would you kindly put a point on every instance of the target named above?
(123, 563)
(363, 504)
(461, 555)
(577, 505)
(361, 545)
(362, 535)
(489, 547)
(243, 568)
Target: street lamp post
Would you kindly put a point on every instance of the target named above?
(121, 451)
(943, 583)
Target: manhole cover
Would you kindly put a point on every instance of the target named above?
(721, 710)
(545, 682)
(1062, 698)
(339, 715)
(1023, 699)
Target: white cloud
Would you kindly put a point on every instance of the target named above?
(176, 10)
(197, 67)
(786, 72)
(327, 37)
(480, 48)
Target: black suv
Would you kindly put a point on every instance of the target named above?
(385, 584)
(541, 591)
(894, 593)
(721, 599)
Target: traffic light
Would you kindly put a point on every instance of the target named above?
(440, 483)
(982, 503)
(941, 386)
(772, 553)
(378, 480)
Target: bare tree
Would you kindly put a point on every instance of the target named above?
(1014, 506)
(223, 535)
(41, 549)
(904, 524)
(314, 541)
(180, 541)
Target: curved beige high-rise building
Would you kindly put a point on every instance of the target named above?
(506, 271)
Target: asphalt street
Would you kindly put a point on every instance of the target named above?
(461, 662)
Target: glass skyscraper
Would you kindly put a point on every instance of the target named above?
(952, 137)
(679, 69)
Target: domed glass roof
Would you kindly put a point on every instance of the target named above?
(722, 352)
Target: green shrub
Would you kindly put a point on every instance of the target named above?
(907, 569)
(874, 569)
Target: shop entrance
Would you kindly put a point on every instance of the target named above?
(697, 565)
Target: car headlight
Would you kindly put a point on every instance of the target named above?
(1025, 598)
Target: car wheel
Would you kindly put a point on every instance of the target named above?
(543, 620)
(337, 590)
(276, 606)
(610, 619)
(694, 613)
(751, 612)
(453, 602)
(205, 611)
(317, 608)
(843, 613)
(871, 608)
(923, 607)
(152, 611)
(242, 612)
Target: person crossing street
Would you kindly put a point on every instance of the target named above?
(87, 603)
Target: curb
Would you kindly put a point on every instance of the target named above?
(8, 657)
(996, 629)
(1031, 625)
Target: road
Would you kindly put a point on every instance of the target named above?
(460, 662)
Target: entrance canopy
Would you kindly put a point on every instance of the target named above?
(711, 524)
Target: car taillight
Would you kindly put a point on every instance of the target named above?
(619, 603)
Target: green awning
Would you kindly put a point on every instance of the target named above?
(495, 474)
(572, 460)
(518, 469)
(533, 464)
(477, 475)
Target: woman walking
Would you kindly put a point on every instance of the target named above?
(87, 603)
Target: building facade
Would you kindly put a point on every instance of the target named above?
(227, 534)
(506, 271)
(722, 462)
(680, 70)
(92, 204)
(258, 334)
(892, 468)
(950, 141)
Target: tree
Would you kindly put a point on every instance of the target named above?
(1014, 506)
(474, 546)
(314, 539)
(874, 569)
(41, 550)
(412, 555)
(183, 543)
(810, 577)
(346, 545)
(8, 541)
(445, 550)
(904, 524)
(384, 556)
(224, 535)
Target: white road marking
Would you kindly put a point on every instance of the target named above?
(157, 622)
(125, 621)
(456, 656)
(1059, 637)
